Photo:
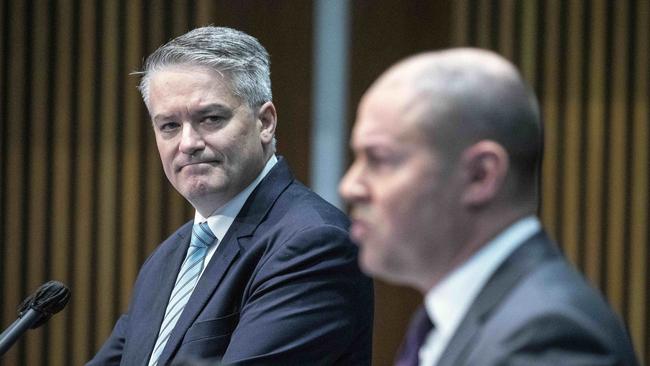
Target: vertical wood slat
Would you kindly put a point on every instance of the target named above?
(15, 173)
(3, 117)
(506, 29)
(181, 23)
(528, 54)
(595, 144)
(572, 139)
(84, 240)
(107, 168)
(37, 123)
(61, 182)
(640, 212)
(133, 152)
(484, 23)
(4, 45)
(3, 67)
(616, 190)
(550, 111)
(460, 23)
(203, 12)
(4, 87)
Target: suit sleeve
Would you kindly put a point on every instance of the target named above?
(111, 351)
(556, 339)
(308, 303)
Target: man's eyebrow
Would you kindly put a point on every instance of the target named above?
(162, 116)
(209, 108)
(378, 148)
(215, 107)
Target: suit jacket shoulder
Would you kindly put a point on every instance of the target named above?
(537, 310)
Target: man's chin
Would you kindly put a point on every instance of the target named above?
(370, 264)
(383, 268)
(199, 190)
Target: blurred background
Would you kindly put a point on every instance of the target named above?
(83, 198)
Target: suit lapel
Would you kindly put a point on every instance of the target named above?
(244, 225)
(143, 336)
(523, 260)
(211, 277)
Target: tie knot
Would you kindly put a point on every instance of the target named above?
(202, 236)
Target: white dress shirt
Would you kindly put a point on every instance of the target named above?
(220, 220)
(448, 302)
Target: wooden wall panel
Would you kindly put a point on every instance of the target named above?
(595, 119)
(14, 174)
(83, 198)
(62, 159)
(527, 49)
(571, 132)
(588, 61)
(639, 287)
(132, 136)
(550, 108)
(83, 249)
(617, 147)
(106, 164)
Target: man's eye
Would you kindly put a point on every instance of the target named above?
(375, 160)
(169, 126)
(383, 160)
(213, 119)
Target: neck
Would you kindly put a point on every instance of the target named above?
(473, 234)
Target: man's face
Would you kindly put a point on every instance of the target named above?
(400, 193)
(209, 140)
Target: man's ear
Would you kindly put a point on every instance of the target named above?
(268, 119)
(486, 165)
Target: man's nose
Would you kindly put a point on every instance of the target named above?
(191, 139)
(351, 187)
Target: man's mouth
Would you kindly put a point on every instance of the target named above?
(358, 230)
(198, 163)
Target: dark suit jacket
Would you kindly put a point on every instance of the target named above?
(283, 288)
(537, 310)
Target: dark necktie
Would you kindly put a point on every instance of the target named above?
(420, 326)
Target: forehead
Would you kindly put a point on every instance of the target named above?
(190, 82)
(389, 116)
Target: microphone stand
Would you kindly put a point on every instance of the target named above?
(17, 328)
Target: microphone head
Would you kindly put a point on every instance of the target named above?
(48, 300)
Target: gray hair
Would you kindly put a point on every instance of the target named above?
(228, 51)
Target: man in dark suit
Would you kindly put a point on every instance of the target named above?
(443, 194)
(265, 273)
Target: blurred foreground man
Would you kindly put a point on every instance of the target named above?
(443, 194)
(265, 273)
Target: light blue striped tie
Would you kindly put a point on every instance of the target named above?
(202, 237)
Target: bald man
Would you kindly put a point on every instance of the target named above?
(443, 194)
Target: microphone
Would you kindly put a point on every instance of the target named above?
(34, 311)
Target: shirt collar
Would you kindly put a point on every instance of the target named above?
(220, 220)
(448, 302)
